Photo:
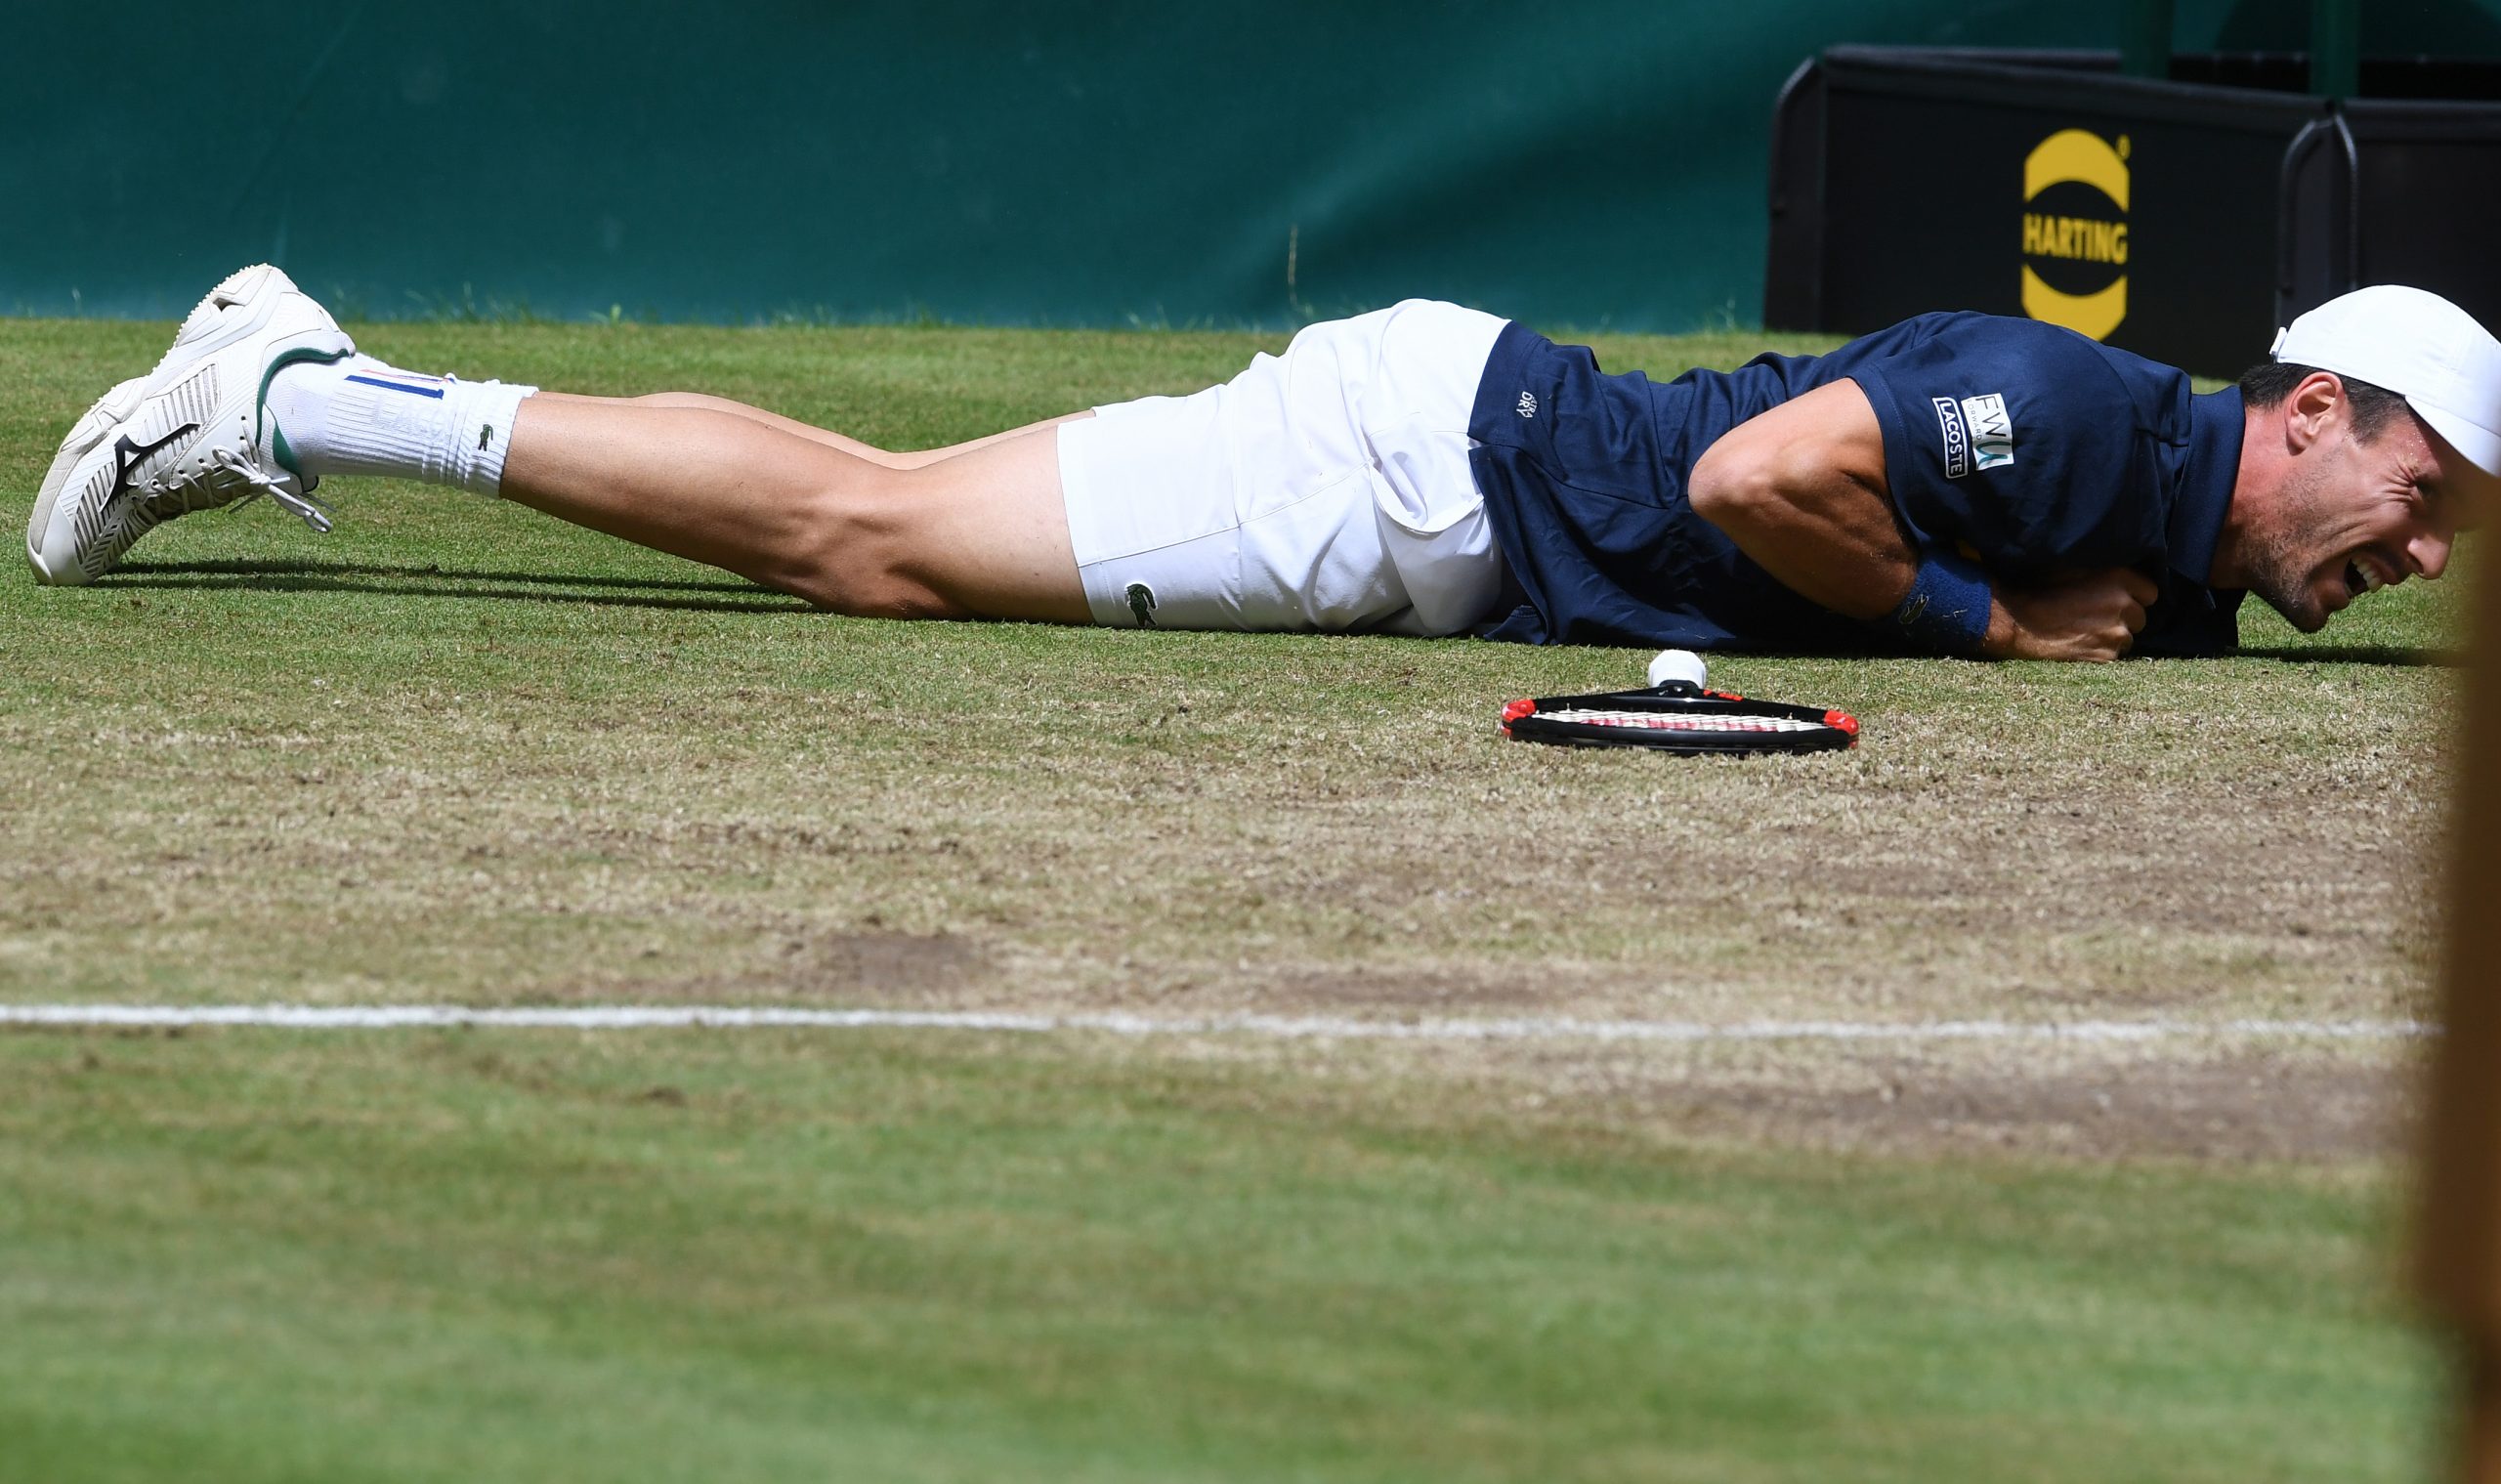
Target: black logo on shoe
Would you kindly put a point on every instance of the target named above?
(1142, 603)
(128, 456)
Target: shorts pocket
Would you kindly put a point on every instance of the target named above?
(1321, 561)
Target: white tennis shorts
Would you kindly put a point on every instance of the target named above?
(1325, 489)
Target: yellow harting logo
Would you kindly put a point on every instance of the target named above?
(2072, 237)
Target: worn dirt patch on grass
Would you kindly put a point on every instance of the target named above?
(2239, 1108)
(799, 963)
(2221, 1099)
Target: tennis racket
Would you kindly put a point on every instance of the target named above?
(1678, 718)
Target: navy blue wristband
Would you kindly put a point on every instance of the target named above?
(1947, 611)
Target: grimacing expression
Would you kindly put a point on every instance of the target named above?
(2353, 516)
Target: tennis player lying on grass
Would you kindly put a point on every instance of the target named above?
(1959, 484)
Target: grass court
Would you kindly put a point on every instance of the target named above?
(455, 753)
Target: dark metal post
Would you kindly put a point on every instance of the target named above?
(2336, 48)
(2144, 45)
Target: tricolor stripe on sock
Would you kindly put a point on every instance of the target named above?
(433, 389)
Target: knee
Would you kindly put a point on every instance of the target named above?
(860, 550)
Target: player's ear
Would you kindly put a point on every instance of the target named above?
(2315, 406)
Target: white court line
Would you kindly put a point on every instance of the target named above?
(1115, 1023)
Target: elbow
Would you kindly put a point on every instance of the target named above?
(1723, 490)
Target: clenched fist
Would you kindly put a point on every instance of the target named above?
(2095, 617)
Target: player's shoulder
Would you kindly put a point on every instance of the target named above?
(1967, 338)
(1974, 331)
(2057, 364)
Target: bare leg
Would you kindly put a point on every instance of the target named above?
(980, 532)
(915, 459)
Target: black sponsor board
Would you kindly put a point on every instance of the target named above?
(2181, 220)
(2392, 191)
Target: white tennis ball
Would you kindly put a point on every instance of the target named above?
(1677, 665)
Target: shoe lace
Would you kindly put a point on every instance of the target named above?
(312, 512)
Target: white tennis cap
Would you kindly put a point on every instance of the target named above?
(2418, 345)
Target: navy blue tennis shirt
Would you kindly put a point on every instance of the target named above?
(2036, 450)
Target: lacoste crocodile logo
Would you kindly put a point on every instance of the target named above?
(1142, 603)
(128, 456)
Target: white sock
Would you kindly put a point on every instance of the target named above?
(359, 416)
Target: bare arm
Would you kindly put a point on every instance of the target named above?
(1800, 490)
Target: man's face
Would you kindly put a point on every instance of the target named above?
(2351, 516)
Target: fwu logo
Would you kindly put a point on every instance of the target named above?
(1992, 431)
(1977, 434)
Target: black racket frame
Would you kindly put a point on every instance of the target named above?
(1832, 731)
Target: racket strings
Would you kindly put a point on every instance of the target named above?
(1679, 721)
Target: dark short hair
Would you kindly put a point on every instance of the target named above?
(2267, 385)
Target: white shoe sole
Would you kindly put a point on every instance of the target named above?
(100, 423)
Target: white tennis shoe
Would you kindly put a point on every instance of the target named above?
(191, 434)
